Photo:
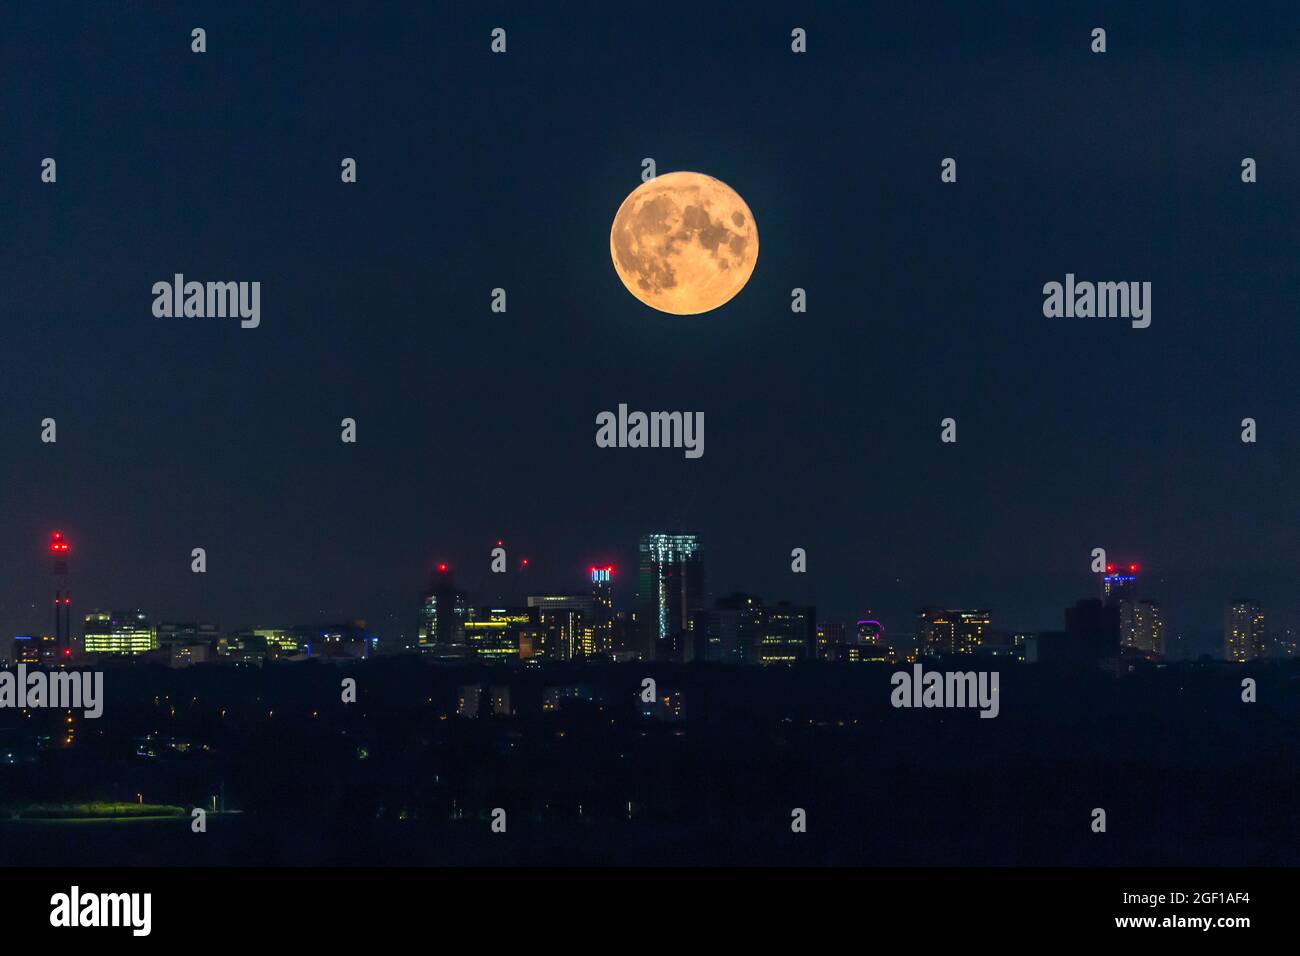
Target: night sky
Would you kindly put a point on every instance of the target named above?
(822, 430)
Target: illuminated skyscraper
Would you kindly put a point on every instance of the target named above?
(1243, 631)
(602, 621)
(670, 586)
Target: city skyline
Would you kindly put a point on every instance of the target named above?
(1141, 622)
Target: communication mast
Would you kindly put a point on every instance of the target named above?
(60, 549)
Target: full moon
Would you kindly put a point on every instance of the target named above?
(684, 243)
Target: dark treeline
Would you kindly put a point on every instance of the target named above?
(1187, 773)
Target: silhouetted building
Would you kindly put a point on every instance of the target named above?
(442, 618)
(176, 633)
(628, 635)
(1000, 644)
(24, 649)
(735, 628)
(830, 640)
(789, 634)
(348, 639)
(1091, 633)
(184, 643)
(187, 655)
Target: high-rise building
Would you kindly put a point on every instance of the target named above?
(942, 632)
(788, 634)
(602, 620)
(734, 628)
(1119, 583)
(1243, 631)
(567, 620)
(1091, 635)
(1142, 628)
(442, 618)
(670, 587)
(119, 632)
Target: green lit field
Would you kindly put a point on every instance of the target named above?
(83, 812)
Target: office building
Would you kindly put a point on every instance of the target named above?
(119, 632)
(670, 588)
(943, 632)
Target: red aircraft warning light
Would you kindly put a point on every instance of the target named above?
(58, 544)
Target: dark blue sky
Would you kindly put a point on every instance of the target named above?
(477, 171)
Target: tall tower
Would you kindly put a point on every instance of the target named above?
(602, 599)
(442, 618)
(59, 551)
(670, 586)
(1243, 631)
